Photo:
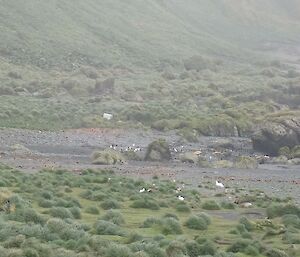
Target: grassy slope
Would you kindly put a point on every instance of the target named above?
(139, 32)
(149, 37)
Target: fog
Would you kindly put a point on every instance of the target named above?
(149, 128)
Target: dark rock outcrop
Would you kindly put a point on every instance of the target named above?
(158, 151)
(274, 135)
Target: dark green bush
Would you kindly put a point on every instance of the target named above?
(210, 205)
(118, 251)
(182, 207)
(114, 216)
(150, 222)
(280, 210)
(27, 216)
(110, 204)
(75, 212)
(193, 249)
(92, 210)
(108, 228)
(44, 203)
(248, 225)
(61, 212)
(275, 253)
(145, 203)
(171, 226)
(291, 220)
(196, 222)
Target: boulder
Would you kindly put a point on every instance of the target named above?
(189, 157)
(158, 151)
(274, 135)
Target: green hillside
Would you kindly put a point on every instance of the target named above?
(140, 32)
(196, 65)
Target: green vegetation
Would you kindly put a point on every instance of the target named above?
(83, 221)
(66, 72)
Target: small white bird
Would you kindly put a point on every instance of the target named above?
(142, 190)
(180, 198)
(219, 184)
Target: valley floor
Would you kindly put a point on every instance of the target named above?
(35, 150)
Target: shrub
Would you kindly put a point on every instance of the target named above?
(14, 242)
(114, 217)
(110, 204)
(249, 226)
(158, 151)
(108, 228)
(182, 207)
(210, 205)
(118, 251)
(44, 203)
(193, 249)
(291, 220)
(251, 250)
(47, 195)
(175, 248)
(60, 212)
(171, 226)
(27, 215)
(275, 253)
(242, 244)
(228, 206)
(76, 212)
(29, 252)
(107, 157)
(92, 210)
(145, 203)
(195, 222)
(133, 237)
(150, 222)
(154, 250)
(171, 215)
(280, 210)
(291, 238)
(208, 248)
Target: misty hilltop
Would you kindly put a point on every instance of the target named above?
(143, 33)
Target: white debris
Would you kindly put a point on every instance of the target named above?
(143, 190)
(219, 184)
(107, 116)
(180, 198)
